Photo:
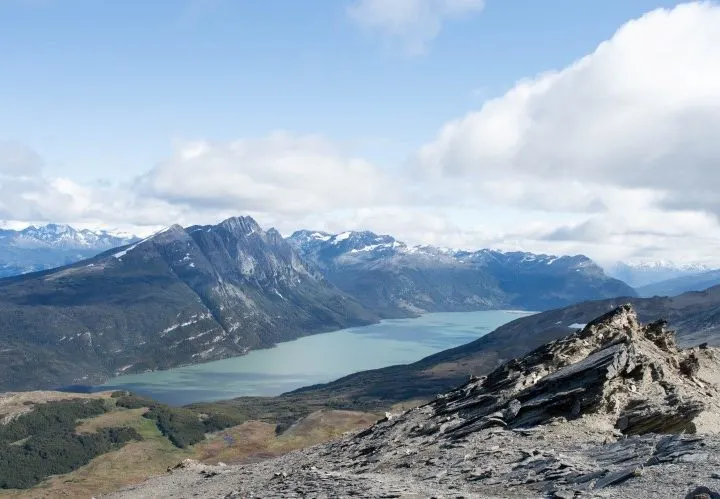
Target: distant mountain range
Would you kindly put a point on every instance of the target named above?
(642, 274)
(682, 284)
(397, 280)
(52, 245)
(181, 296)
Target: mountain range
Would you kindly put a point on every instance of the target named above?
(188, 295)
(180, 296)
(53, 245)
(641, 274)
(38, 248)
(398, 280)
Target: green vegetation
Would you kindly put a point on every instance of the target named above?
(183, 427)
(50, 418)
(43, 442)
(129, 400)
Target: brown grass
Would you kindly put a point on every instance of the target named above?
(126, 417)
(254, 440)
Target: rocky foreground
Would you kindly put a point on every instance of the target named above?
(614, 410)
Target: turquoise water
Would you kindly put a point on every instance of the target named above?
(315, 359)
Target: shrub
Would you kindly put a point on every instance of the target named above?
(51, 445)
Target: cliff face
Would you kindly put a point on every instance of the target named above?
(616, 410)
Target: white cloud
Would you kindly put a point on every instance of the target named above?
(281, 173)
(642, 111)
(411, 22)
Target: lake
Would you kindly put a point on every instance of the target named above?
(315, 359)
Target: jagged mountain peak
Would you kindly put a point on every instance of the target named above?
(179, 296)
(64, 236)
(304, 236)
(241, 226)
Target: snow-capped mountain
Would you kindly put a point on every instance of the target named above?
(388, 275)
(64, 236)
(638, 274)
(39, 248)
(177, 297)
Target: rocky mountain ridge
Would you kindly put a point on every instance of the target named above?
(398, 280)
(53, 245)
(612, 410)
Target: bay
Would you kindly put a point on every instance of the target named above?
(315, 359)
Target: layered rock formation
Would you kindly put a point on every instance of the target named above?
(614, 410)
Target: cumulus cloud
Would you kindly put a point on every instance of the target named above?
(641, 111)
(282, 173)
(411, 22)
(28, 194)
(626, 135)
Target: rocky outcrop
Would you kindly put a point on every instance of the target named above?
(614, 410)
(614, 366)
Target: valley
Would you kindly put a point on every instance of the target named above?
(228, 344)
(192, 295)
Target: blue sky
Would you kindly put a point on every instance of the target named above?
(102, 89)
(106, 93)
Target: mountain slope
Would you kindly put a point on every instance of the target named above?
(683, 284)
(397, 280)
(178, 297)
(39, 248)
(614, 410)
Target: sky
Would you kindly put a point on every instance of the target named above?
(556, 126)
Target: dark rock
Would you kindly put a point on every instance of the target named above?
(618, 477)
(702, 493)
(690, 366)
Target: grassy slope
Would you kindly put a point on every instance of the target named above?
(138, 461)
